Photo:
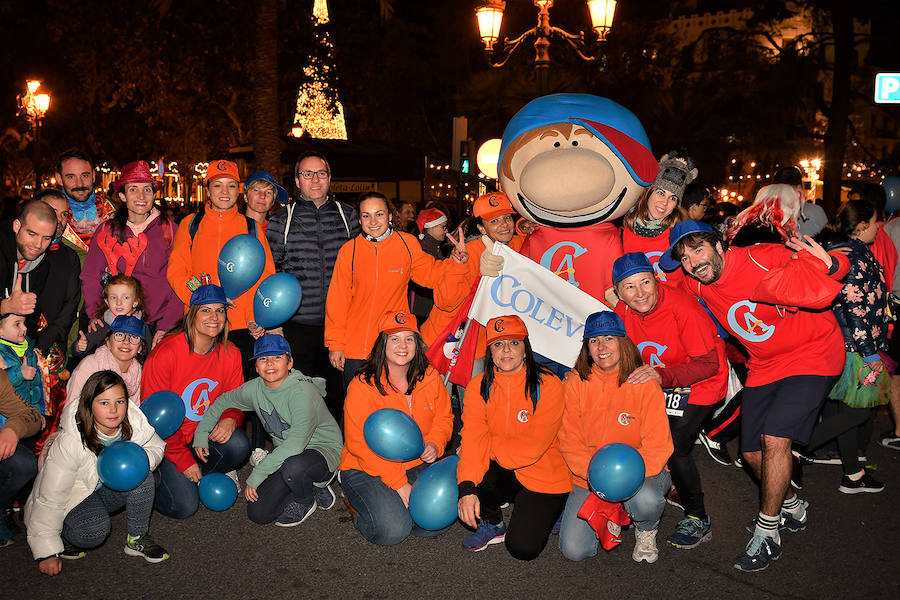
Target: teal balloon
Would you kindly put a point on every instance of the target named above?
(891, 185)
(616, 472)
(433, 499)
(217, 491)
(165, 411)
(123, 466)
(393, 435)
(276, 300)
(241, 262)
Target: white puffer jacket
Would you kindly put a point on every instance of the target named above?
(69, 475)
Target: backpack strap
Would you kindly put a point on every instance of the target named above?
(194, 225)
(343, 218)
(251, 226)
(287, 222)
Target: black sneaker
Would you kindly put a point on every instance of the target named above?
(70, 552)
(825, 457)
(146, 546)
(295, 513)
(325, 497)
(797, 473)
(718, 451)
(891, 440)
(865, 484)
(786, 521)
(760, 552)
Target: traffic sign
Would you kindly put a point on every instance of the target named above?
(887, 88)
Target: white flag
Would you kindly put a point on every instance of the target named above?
(553, 310)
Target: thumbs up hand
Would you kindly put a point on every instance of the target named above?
(19, 302)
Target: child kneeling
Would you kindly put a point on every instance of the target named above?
(288, 484)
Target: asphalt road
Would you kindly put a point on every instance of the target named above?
(848, 551)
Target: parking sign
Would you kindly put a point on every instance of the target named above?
(887, 88)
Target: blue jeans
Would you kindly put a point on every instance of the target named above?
(177, 496)
(578, 540)
(15, 473)
(381, 516)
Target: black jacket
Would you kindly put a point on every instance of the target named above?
(54, 280)
(309, 249)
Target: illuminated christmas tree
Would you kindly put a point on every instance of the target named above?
(319, 112)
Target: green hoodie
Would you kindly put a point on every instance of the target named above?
(294, 414)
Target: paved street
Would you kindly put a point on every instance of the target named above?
(848, 551)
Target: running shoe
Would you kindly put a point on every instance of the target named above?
(144, 545)
(325, 497)
(691, 532)
(645, 546)
(865, 484)
(891, 440)
(718, 451)
(295, 513)
(486, 535)
(760, 552)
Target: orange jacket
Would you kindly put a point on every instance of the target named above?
(371, 278)
(202, 256)
(599, 412)
(448, 299)
(429, 407)
(509, 430)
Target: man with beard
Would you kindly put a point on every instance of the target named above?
(772, 298)
(75, 173)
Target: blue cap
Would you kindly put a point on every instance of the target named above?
(129, 325)
(679, 231)
(281, 195)
(270, 345)
(605, 322)
(208, 294)
(629, 264)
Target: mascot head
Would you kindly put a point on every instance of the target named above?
(571, 160)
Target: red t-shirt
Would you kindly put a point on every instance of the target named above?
(199, 379)
(674, 331)
(583, 256)
(653, 248)
(782, 341)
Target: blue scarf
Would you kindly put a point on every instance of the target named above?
(82, 211)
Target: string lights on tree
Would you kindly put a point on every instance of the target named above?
(319, 113)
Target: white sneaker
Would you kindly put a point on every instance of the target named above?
(234, 478)
(645, 546)
(257, 456)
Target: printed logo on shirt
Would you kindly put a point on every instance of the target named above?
(565, 268)
(745, 324)
(196, 398)
(654, 355)
(625, 419)
(653, 257)
(523, 416)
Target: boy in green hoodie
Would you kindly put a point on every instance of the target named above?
(288, 484)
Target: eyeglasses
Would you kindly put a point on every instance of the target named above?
(121, 336)
(323, 174)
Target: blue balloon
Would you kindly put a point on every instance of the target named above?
(123, 466)
(433, 499)
(241, 262)
(165, 411)
(393, 435)
(217, 491)
(891, 185)
(616, 472)
(276, 300)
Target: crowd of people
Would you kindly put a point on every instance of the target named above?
(771, 324)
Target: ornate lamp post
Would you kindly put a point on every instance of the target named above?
(34, 106)
(490, 16)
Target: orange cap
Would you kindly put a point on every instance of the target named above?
(393, 321)
(492, 205)
(509, 327)
(222, 168)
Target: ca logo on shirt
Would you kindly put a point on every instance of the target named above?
(566, 267)
(745, 324)
(625, 419)
(656, 351)
(196, 398)
(653, 257)
(523, 416)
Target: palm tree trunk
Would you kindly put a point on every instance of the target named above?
(839, 112)
(266, 126)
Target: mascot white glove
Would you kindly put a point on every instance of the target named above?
(490, 264)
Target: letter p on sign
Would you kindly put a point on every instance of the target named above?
(887, 88)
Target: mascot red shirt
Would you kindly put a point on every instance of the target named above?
(572, 163)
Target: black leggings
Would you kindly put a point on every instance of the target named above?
(533, 516)
(843, 424)
(292, 482)
(682, 467)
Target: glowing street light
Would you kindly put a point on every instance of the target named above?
(35, 107)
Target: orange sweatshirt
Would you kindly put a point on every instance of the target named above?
(509, 430)
(448, 299)
(202, 256)
(429, 407)
(371, 278)
(598, 412)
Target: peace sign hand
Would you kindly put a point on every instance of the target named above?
(460, 253)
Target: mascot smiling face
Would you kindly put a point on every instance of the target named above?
(572, 160)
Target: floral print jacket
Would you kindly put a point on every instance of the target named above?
(860, 308)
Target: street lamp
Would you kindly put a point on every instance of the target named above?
(490, 15)
(34, 106)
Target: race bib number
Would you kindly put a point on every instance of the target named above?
(676, 400)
